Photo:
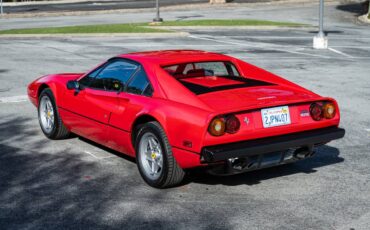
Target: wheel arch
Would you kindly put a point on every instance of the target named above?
(41, 88)
(48, 85)
(140, 120)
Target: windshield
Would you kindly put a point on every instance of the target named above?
(206, 77)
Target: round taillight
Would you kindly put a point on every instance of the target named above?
(329, 110)
(316, 111)
(217, 127)
(232, 124)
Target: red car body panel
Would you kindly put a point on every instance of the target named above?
(108, 118)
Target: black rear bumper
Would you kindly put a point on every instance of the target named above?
(306, 139)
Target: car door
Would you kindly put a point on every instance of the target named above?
(91, 107)
(135, 99)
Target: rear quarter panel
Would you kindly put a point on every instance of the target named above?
(181, 122)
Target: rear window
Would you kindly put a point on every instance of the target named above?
(206, 77)
(202, 69)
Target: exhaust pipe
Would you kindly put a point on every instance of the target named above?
(241, 164)
(303, 153)
(238, 163)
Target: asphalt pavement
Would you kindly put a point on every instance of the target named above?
(103, 5)
(75, 184)
(94, 5)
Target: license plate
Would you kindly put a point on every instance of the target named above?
(276, 116)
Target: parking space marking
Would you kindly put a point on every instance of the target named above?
(14, 99)
(96, 157)
(339, 52)
(258, 46)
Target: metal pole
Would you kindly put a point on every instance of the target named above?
(157, 18)
(321, 20)
(1, 8)
(320, 41)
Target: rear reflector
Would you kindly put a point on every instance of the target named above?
(329, 110)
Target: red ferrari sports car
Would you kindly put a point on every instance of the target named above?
(179, 109)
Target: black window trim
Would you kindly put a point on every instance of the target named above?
(133, 77)
(112, 60)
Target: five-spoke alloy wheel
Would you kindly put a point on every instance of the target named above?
(150, 153)
(154, 157)
(46, 112)
(50, 121)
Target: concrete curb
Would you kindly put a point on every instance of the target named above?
(146, 35)
(234, 27)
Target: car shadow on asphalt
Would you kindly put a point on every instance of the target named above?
(109, 150)
(325, 155)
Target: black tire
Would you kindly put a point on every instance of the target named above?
(171, 174)
(59, 131)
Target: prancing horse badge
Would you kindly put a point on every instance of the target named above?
(246, 120)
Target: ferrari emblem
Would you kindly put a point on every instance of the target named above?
(246, 120)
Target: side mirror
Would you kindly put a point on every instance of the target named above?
(73, 85)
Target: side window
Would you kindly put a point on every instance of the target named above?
(140, 84)
(114, 76)
(90, 77)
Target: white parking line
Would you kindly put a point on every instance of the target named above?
(339, 52)
(99, 158)
(14, 99)
(261, 46)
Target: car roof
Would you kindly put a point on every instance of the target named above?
(168, 57)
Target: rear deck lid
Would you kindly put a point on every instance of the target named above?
(257, 94)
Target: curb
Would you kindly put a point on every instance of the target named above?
(155, 35)
(233, 27)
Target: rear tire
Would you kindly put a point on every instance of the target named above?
(50, 122)
(154, 157)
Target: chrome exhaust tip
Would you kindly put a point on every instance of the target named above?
(303, 153)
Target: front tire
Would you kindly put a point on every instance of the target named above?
(50, 122)
(154, 157)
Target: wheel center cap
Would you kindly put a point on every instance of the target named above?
(48, 113)
(154, 155)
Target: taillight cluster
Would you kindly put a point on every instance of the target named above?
(224, 124)
(319, 111)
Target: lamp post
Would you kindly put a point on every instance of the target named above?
(1, 8)
(320, 41)
(157, 18)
